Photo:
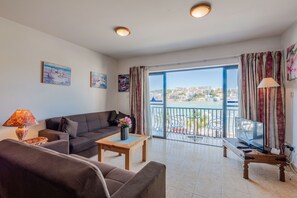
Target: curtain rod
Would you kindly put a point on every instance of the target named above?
(195, 61)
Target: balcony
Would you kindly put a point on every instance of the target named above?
(196, 125)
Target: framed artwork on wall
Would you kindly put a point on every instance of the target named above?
(291, 60)
(123, 83)
(98, 80)
(56, 74)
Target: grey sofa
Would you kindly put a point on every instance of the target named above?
(91, 127)
(32, 171)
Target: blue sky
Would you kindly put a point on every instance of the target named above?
(195, 78)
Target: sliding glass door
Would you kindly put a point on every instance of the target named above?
(198, 105)
(157, 85)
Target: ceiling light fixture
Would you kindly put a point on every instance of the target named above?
(122, 31)
(200, 10)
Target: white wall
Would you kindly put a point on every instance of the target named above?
(289, 38)
(215, 52)
(21, 51)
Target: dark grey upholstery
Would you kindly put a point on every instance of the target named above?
(92, 120)
(57, 141)
(61, 146)
(82, 123)
(91, 127)
(79, 144)
(32, 171)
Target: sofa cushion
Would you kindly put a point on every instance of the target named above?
(68, 126)
(109, 130)
(62, 123)
(119, 175)
(114, 177)
(53, 123)
(79, 144)
(93, 121)
(113, 185)
(103, 117)
(82, 123)
(113, 119)
(92, 135)
(122, 115)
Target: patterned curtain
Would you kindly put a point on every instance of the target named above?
(139, 99)
(254, 105)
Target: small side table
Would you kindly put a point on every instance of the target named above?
(255, 157)
(36, 141)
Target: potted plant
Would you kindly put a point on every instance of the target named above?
(125, 124)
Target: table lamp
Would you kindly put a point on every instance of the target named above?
(21, 118)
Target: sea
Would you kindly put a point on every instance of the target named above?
(209, 104)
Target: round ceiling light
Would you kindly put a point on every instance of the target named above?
(122, 31)
(200, 10)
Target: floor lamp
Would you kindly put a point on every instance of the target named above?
(266, 84)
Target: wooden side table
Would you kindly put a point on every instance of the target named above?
(255, 157)
(36, 141)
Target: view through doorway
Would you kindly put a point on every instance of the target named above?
(197, 105)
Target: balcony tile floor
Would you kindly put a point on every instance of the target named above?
(187, 138)
(199, 171)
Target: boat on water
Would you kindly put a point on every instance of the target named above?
(155, 100)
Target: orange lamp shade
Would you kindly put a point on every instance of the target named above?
(21, 118)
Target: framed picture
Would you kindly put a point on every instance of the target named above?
(56, 74)
(123, 83)
(292, 62)
(98, 80)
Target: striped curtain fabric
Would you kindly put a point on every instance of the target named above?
(254, 105)
(139, 99)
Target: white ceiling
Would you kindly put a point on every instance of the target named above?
(157, 26)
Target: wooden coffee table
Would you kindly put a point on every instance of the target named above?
(115, 144)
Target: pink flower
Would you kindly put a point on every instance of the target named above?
(125, 123)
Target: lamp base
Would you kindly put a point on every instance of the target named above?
(21, 132)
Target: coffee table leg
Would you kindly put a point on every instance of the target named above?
(100, 153)
(246, 170)
(144, 151)
(128, 157)
(224, 151)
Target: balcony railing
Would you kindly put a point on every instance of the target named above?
(204, 122)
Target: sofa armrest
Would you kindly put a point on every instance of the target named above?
(61, 146)
(148, 182)
(53, 135)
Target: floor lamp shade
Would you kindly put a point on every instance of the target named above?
(21, 118)
(267, 83)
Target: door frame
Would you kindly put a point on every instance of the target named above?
(164, 102)
(225, 68)
(225, 87)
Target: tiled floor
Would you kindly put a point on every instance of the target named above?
(189, 138)
(195, 171)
